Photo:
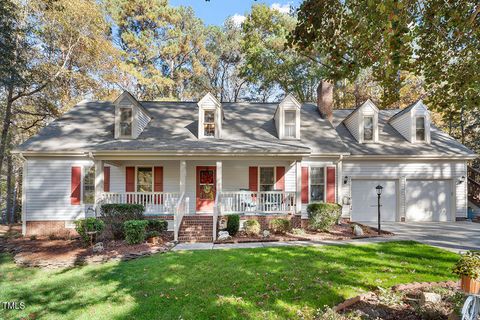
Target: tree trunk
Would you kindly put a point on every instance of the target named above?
(9, 189)
(6, 124)
(462, 123)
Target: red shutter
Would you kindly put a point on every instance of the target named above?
(158, 179)
(130, 179)
(106, 179)
(280, 185)
(253, 179)
(331, 184)
(158, 183)
(76, 185)
(305, 185)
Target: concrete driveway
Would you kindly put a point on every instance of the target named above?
(453, 236)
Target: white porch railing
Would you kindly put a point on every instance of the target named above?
(250, 202)
(181, 207)
(154, 202)
(217, 210)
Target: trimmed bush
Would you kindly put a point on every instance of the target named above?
(151, 234)
(135, 231)
(280, 225)
(252, 227)
(115, 215)
(322, 216)
(157, 225)
(233, 224)
(83, 226)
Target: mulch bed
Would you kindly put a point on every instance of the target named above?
(405, 303)
(61, 253)
(342, 231)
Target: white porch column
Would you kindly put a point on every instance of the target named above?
(298, 187)
(99, 178)
(219, 176)
(183, 176)
(340, 182)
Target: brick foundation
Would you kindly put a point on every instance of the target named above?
(47, 228)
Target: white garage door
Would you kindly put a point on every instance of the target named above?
(364, 200)
(428, 200)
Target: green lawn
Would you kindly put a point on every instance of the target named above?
(267, 283)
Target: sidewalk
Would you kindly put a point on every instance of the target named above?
(212, 246)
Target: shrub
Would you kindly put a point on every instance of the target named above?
(83, 226)
(135, 231)
(252, 227)
(322, 216)
(233, 224)
(151, 234)
(157, 225)
(115, 215)
(468, 265)
(280, 225)
(298, 231)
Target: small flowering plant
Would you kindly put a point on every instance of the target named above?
(468, 265)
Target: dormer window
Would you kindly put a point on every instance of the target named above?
(290, 124)
(420, 129)
(209, 123)
(126, 120)
(368, 128)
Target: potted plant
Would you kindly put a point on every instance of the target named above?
(468, 268)
(153, 237)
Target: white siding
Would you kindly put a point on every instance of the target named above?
(142, 121)
(353, 125)
(403, 125)
(48, 189)
(402, 171)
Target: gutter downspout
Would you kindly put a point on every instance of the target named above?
(24, 193)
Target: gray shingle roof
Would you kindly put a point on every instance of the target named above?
(391, 142)
(247, 128)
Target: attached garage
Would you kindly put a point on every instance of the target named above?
(428, 200)
(364, 200)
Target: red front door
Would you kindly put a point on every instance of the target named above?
(206, 188)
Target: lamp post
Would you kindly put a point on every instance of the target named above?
(379, 193)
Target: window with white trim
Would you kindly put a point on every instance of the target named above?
(209, 123)
(144, 179)
(126, 120)
(420, 129)
(89, 185)
(317, 184)
(290, 124)
(267, 178)
(368, 128)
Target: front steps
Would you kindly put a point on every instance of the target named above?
(196, 229)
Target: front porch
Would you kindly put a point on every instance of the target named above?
(201, 188)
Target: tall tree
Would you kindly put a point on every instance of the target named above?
(268, 62)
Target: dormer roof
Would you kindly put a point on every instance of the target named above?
(128, 96)
(367, 104)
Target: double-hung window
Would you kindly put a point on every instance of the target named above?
(290, 124)
(420, 129)
(317, 184)
(209, 123)
(267, 178)
(126, 116)
(144, 179)
(368, 128)
(89, 185)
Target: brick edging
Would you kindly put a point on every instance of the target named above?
(399, 287)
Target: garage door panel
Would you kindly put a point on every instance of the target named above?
(428, 200)
(364, 200)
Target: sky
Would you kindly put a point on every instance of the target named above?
(216, 11)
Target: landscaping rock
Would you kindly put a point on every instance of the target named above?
(223, 235)
(357, 231)
(430, 297)
(98, 247)
(266, 233)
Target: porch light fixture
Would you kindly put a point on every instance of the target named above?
(379, 189)
(345, 180)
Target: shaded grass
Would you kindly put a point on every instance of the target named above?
(266, 283)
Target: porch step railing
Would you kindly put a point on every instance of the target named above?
(257, 202)
(154, 202)
(181, 207)
(473, 185)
